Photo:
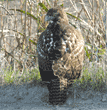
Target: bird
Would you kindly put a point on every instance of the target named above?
(60, 54)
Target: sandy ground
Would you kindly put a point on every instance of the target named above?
(34, 96)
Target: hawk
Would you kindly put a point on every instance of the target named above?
(60, 54)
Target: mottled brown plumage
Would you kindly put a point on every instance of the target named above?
(60, 54)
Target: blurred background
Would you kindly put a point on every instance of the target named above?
(22, 22)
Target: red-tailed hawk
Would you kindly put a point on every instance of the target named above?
(60, 54)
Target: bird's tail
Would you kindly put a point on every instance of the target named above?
(57, 91)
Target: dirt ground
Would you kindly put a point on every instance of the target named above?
(34, 96)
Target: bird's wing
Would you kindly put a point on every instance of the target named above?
(72, 48)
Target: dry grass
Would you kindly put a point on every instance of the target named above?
(22, 21)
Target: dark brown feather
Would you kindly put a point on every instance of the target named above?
(60, 54)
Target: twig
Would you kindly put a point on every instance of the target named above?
(6, 10)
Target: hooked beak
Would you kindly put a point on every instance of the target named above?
(48, 18)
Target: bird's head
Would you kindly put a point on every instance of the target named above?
(54, 14)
